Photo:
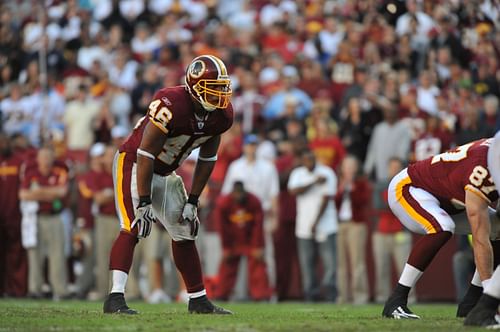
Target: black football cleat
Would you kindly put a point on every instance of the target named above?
(481, 317)
(202, 305)
(396, 308)
(469, 301)
(115, 304)
(484, 313)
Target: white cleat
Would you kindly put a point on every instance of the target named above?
(402, 312)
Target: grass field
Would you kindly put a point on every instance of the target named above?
(26, 315)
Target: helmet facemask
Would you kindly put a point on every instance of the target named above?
(213, 94)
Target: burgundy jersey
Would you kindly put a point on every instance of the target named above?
(240, 224)
(58, 176)
(172, 111)
(448, 175)
(10, 182)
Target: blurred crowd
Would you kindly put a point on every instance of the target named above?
(367, 86)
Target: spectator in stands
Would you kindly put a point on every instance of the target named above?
(13, 260)
(106, 221)
(275, 108)
(391, 242)
(240, 217)
(355, 130)
(83, 237)
(353, 200)
(285, 246)
(314, 185)
(16, 110)
(390, 138)
(43, 189)
(78, 121)
(259, 176)
(326, 145)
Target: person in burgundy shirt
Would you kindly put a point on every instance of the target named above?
(46, 182)
(13, 260)
(83, 235)
(285, 245)
(240, 218)
(353, 206)
(391, 243)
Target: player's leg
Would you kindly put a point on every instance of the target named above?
(122, 251)
(168, 199)
(475, 289)
(485, 312)
(420, 212)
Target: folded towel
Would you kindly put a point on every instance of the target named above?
(29, 210)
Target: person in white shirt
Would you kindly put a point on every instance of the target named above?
(316, 224)
(260, 177)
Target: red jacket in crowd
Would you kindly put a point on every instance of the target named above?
(240, 223)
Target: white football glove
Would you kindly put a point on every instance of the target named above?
(144, 220)
(190, 214)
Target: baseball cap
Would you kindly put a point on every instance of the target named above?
(97, 149)
(119, 131)
(251, 139)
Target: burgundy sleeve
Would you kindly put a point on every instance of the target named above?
(84, 212)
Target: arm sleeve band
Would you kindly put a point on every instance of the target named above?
(145, 154)
(214, 158)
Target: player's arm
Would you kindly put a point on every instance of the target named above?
(303, 189)
(322, 209)
(204, 167)
(151, 146)
(477, 213)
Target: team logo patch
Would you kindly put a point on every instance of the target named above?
(201, 125)
(197, 69)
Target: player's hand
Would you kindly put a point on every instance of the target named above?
(314, 227)
(190, 214)
(144, 219)
(320, 179)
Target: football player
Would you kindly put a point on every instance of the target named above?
(485, 313)
(179, 119)
(424, 197)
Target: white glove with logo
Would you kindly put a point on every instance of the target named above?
(144, 219)
(190, 214)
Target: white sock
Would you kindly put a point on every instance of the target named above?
(197, 294)
(119, 281)
(410, 276)
(476, 280)
(493, 287)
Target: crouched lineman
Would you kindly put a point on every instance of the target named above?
(426, 195)
(179, 120)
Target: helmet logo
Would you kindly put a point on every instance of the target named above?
(196, 69)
